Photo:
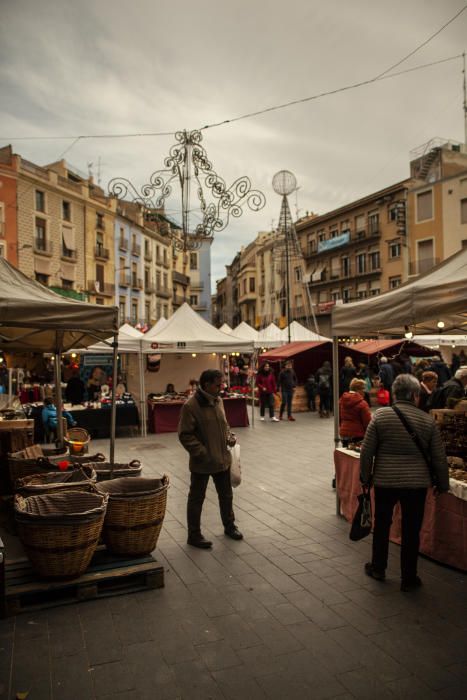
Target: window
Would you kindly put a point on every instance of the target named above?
(244, 286)
(374, 292)
(122, 309)
(147, 308)
(158, 254)
(193, 261)
(321, 236)
(335, 267)
(99, 278)
(463, 211)
(394, 282)
(134, 275)
(252, 284)
(345, 267)
(40, 201)
(66, 211)
(394, 250)
(134, 312)
(373, 222)
(147, 278)
(392, 212)
(158, 309)
(100, 301)
(361, 263)
(41, 235)
(166, 283)
(362, 293)
(360, 224)
(311, 246)
(425, 255)
(346, 295)
(158, 281)
(345, 226)
(194, 300)
(374, 260)
(165, 256)
(2, 219)
(298, 274)
(100, 221)
(425, 205)
(67, 284)
(335, 296)
(334, 233)
(166, 310)
(2, 250)
(43, 279)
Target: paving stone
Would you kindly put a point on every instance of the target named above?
(315, 610)
(218, 655)
(72, 678)
(116, 676)
(235, 684)
(365, 686)
(196, 683)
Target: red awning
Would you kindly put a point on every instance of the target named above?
(291, 349)
(371, 347)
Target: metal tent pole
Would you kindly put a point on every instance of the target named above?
(58, 388)
(113, 415)
(335, 394)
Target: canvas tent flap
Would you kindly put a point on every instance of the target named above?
(186, 331)
(440, 294)
(31, 316)
(300, 333)
(290, 350)
(245, 331)
(156, 327)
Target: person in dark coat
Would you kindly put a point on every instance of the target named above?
(287, 384)
(347, 373)
(311, 390)
(266, 383)
(386, 373)
(75, 389)
(205, 434)
(452, 390)
(428, 383)
(392, 462)
(442, 370)
(324, 381)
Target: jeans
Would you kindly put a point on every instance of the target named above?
(412, 506)
(198, 485)
(266, 400)
(287, 395)
(325, 401)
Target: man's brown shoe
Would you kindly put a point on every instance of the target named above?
(200, 542)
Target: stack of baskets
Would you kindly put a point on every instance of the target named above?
(60, 531)
(81, 479)
(135, 514)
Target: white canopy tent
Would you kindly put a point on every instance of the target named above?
(187, 332)
(225, 328)
(245, 331)
(270, 337)
(156, 327)
(302, 334)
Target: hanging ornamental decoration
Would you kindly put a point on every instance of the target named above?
(188, 165)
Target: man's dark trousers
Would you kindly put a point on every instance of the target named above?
(287, 395)
(198, 485)
(412, 506)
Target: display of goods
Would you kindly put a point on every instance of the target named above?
(458, 474)
(82, 479)
(454, 433)
(77, 440)
(60, 531)
(135, 513)
(104, 470)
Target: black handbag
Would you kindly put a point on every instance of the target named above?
(417, 441)
(361, 523)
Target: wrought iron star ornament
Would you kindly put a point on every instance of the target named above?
(188, 164)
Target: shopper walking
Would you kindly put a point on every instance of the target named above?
(324, 381)
(266, 383)
(393, 461)
(287, 383)
(428, 382)
(204, 432)
(347, 373)
(354, 413)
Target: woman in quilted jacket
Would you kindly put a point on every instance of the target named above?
(354, 413)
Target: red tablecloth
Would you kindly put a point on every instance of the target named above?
(163, 417)
(444, 531)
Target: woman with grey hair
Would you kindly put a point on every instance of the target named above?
(402, 455)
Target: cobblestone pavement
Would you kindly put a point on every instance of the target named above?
(287, 613)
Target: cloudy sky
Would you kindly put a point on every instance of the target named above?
(80, 67)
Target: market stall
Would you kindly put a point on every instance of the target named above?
(438, 297)
(164, 415)
(307, 356)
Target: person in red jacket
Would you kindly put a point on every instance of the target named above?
(266, 383)
(354, 413)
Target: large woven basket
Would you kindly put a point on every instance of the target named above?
(135, 514)
(60, 531)
(81, 479)
(20, 468)
(87, 459)
(104, 469)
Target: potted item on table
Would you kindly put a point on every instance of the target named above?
(60, 531)
(135, 513)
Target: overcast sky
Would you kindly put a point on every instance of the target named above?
(72, 67)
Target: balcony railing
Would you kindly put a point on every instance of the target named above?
(42, 246)
(124, 280)
(419, 267)
(98, 287)
(101, 252)
(180, 278)
(162, 291)
(136, 282)
(69, 254)
(149, 288)
(135, 249)
(147, 255)
(123, 243)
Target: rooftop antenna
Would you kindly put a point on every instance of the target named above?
(90, 169)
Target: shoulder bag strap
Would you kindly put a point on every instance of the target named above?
(416, 440)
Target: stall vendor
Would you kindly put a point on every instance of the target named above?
(95, 381)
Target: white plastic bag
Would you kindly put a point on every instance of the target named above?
(235, 468)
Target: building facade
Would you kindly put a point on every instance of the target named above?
(200, 279)
(8, 199)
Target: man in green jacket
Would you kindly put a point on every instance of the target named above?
(204, 432)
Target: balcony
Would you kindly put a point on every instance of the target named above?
(123, 243)
(124, 280)
(100, 224)
(178, 299)
(164, 292)
(136, 282)
(136, 249)
(261, 290)
(103, 288)
(419, 267)
(68, 254)
(101, 253)
(43, 247)
(166, 262)
(180, 278)
(147, 255)
(197, 286)
(149, 288)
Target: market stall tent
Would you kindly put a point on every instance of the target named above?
(270, 337)
(225, 328)
(156, 327)
(307, 356)
(300, 333)
(245, 331)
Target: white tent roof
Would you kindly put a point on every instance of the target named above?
(129, 340)
(439, 295)
(186, 331)
(225, 328)
(300, 333)
(156, 327)
(435, 340)
(270, 337)
(245, 331)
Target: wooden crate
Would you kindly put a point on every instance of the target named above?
(107, 575)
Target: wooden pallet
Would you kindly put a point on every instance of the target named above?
(107, 575)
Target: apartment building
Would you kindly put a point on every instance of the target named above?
(200, 279)
(8, 223)
(355, 251)
(437, 203)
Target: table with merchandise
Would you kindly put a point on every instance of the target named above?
(164, 412)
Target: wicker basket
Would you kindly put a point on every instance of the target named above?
(87, 459)
(77, 440)
(104, 469)
(20, 468)
(81, 479)
(60, 531)
(135, 514)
